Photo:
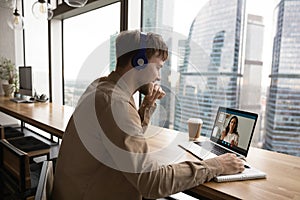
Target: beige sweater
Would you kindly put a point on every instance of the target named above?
(103, 154)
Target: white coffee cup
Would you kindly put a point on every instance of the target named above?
(194, 126)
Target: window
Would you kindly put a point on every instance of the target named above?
(36, 49)
(202, 72)
(88, 43)
(221, 55)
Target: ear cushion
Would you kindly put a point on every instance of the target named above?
(140, 61)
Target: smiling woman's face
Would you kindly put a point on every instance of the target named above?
(232, 125)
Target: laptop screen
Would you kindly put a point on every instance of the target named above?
(234, 129)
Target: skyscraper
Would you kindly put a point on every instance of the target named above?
(252, 74)
(112, 52)
(211, 73)
(158, 17)
(283, 103)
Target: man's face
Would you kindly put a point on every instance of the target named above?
(155, 63)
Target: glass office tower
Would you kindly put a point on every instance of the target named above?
(210, 75)
(112, 52)
(283, 104)
(251, 91)
(158, 18)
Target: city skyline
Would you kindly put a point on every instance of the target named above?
(212, 64)
(251, 90)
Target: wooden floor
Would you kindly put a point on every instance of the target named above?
(6, 190)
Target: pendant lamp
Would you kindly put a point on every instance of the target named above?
(76, 3)
(16, 21)
(42, 10)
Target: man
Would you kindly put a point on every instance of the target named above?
(104, 154)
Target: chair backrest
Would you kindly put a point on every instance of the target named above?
(45, 185)
(10, 132)
(16, 163)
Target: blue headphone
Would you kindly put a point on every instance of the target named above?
(140, 61)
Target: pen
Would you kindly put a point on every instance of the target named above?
(246, 166)
(244, 159)
(241, 157)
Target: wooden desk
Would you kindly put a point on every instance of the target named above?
(45, 116)
(283, 172)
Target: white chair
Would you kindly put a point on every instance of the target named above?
(45, 184)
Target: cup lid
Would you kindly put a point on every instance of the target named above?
(195, 120)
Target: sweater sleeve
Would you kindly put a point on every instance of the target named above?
(170, 179)
(145, 112)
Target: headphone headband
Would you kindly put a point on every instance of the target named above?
(140, 61)
(143, 37)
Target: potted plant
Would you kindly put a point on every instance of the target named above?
(8, 73)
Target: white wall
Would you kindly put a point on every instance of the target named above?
(11, 42)
(11, 47)
(7, 43)
(7, 36)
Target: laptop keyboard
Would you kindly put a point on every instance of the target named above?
(213, 148)
(218, 150)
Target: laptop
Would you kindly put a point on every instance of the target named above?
(236, 141)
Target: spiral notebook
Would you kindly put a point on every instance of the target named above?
(247, 174)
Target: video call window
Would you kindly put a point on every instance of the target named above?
(233, 130)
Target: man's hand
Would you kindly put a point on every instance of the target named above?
(155, 92)
(231, 164)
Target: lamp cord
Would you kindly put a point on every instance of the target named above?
(16, 8)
